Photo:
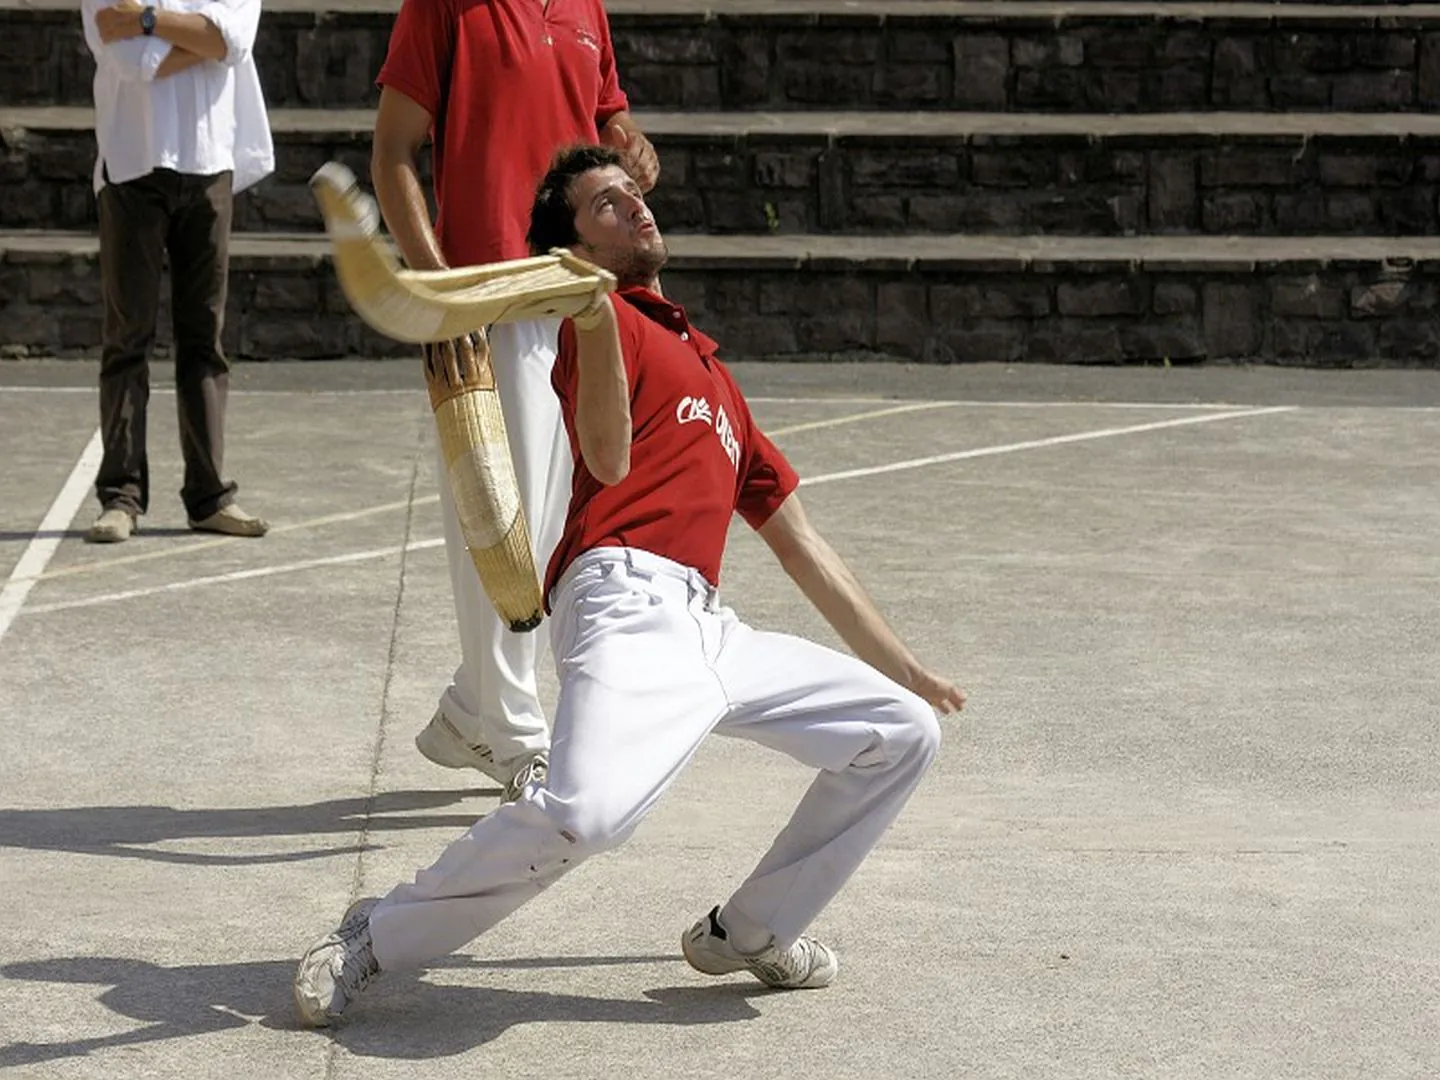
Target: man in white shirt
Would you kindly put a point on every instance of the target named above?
(181, 125)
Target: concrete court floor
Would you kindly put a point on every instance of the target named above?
(1188, 826)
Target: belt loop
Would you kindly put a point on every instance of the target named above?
(633, 568)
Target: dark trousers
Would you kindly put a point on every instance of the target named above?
(141, 222)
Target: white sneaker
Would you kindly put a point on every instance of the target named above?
(334, 970)
(806, 965)
(532, 769)
(443, 744)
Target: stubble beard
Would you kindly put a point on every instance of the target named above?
(639, 266)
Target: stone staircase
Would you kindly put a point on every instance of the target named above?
(940, 181)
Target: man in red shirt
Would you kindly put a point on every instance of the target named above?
(498, 86)
(650, 662)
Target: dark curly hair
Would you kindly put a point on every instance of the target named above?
(552, 218)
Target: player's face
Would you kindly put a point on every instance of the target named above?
(616, 228)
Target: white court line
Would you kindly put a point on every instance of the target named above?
(39, 551)
(852, 418)
(234, 575)
(226, 541)
(974, 404)
(380, 553)
(1037, 444)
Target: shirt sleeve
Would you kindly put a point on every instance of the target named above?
(612, 98)
(238, 21)
(768, 479)
(565, 374)
(134, 60)
(422, 48)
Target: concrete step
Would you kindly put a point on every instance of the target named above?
(1215, 173)
(865, 54)
(1337, 301)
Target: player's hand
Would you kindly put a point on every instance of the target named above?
(940, 692)
(596, 315)
(119, 22)
(637, 155)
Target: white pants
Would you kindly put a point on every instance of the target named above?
(649, 664)
(492, 697)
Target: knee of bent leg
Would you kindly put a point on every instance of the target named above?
(906, 736)
(919, 730)
(589, 823)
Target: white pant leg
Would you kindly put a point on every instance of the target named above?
(493, 697)
(872, 740)
(637, 696)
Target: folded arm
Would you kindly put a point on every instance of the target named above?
(837, 594)
(131, 58)
(223, 31)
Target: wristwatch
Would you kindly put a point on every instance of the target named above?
(147, 21)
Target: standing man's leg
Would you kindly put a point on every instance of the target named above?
(199, 245)
(490, 717)
(134, 218)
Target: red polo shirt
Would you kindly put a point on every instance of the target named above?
(507, 83)
(696, 456)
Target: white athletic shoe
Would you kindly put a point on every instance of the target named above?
(334, 970)
(444, 745)
(806, 965)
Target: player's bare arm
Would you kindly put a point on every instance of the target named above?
(637, 154)
(602, 395)
(837, 594)
(401, 128)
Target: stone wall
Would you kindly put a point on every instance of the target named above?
(1078, 63)
(1362, 314)
(1077, 183)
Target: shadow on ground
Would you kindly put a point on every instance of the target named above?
(401, 1016)
(119, 831)
(7, 537)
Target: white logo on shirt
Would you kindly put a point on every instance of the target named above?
(691, 409)
(586, 38)
(727, 438)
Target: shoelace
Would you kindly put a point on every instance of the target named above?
(794, 965)
(358, 965)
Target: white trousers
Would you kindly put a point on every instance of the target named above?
(492, 697)
(649, 664)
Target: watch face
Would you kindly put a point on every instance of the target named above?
(147, 20)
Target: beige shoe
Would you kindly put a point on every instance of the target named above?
(113, 526)
(232, 521)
